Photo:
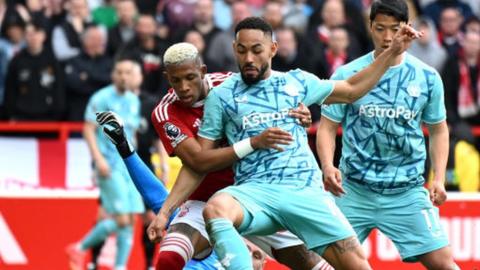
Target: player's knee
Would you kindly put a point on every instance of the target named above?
(219, 206)
(122, 220)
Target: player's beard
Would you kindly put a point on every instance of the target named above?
(248, 80)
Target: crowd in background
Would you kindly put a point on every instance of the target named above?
(54, 54)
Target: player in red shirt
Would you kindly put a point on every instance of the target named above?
(177, 119)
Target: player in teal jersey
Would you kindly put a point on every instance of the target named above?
(118, 194)
(383, 153)
(274, 189)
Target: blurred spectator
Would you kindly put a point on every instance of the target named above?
(147, 49)
(194, 37)
(176, 14)
(286, 13)
(87, 72)
(222, 15)
(434, 10)
(105, 14)
(220, 52)
(272, 13)
(462, 82)
(290, 54)
(427, 48)
(450, 32)
(472, 24)
(9, 46)
(34, 87)
(66, 41)
(217, 51)
(12, 13)
(336, 53)
(124, 31)
(333, 15)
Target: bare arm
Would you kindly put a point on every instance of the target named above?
(348, 91)
(438, 150)
(89, 129)
(186, 183)
(202, 155)
(326, 134)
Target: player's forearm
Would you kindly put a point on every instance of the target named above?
(214, 159)
(89, 136)
(438, 150)
(363, 81)
(186, 183)
(325, 143)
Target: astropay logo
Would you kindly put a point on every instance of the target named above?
(377, 111)
(255, 119)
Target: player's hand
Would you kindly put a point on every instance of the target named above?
(438, 195)
(157, 227)
(103, 168)
(332, 179)
(113, 128)
(271, 138)
(302, 113)
(403, 39)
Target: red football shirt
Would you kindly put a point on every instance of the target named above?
(174, 123)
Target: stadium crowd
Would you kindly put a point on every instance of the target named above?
(55, 55)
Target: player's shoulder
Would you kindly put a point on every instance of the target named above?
(103, 93)
(356, 64)
(419, 64)
(165, 108)
(224, 83)
(216, 78)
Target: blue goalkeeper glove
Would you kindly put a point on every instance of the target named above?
(113, 128)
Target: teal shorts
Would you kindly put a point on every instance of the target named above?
(409, 219)
(118, 193)
(309, 213)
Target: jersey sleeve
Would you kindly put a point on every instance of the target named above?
(316, 90)
(171, 131)
(335, 112)
(212, 124)
(435, 111)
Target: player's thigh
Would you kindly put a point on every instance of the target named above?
(346, 254)
(114, 193)
(189, 222)
(439, 259)
(252, 210)
(311, 214)
(413, 224)
(358, 206)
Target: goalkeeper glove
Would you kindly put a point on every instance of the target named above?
(113, 128)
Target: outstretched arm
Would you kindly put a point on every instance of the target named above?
(355, 87)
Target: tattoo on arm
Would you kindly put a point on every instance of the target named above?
(346, 245)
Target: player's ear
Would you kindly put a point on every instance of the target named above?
(165, 75)
(203, 69)
(274, 48)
